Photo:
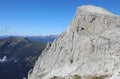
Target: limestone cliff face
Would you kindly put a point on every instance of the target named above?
(89, 46)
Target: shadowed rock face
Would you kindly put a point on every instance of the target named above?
(89, 46)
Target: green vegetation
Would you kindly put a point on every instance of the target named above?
(76, 76)
(104, 76)
(55, 77)
(41, 75)
(97, 77)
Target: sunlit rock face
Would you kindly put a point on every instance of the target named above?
(89, 46)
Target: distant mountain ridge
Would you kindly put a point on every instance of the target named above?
(18, 55)
(48, 38)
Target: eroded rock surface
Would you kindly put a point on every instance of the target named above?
(89, 46)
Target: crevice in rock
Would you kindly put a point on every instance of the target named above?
(71, 61)
(77, 29)
(94, 18)
(82, 28)
(109, 44)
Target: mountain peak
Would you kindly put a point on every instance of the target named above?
(94, 9)
(89, 46)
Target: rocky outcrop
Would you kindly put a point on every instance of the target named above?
(89, 46)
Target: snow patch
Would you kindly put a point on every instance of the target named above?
(4, 59)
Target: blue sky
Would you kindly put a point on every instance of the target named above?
(43, 17)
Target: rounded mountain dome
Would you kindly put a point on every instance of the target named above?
(94, 9)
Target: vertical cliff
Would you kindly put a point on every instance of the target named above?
(89, 46)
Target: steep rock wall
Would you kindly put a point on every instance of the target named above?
(89, 46)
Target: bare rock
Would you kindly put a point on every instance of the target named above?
(89, 46)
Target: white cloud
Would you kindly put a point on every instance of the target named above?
(5, 29)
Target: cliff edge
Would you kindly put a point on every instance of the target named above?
(89, 46)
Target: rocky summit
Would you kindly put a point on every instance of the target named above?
(88, 49)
